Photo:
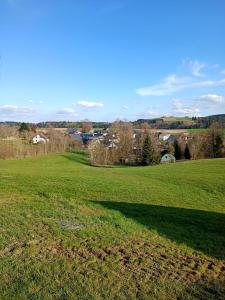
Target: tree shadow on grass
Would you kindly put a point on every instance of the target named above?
(81, 158)
(213, 289)
(201, 230)
(78, 157)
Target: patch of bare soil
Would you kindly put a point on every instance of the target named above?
(142, 261)
(67, 224)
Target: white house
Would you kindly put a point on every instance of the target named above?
(40, 138)
(168, 158)
(164, 136)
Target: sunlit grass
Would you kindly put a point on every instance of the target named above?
(69, 230)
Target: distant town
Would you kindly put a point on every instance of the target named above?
(167, 139)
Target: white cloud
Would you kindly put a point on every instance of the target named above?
(196, 67)
(167, 86)
(212, 98)
(15, 110)
(180, 108)
(189, 77)
(125, 107)
(66, 111)
(173, 83)
(90, 104)
(151, 113)
(36, 102)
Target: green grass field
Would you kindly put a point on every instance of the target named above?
(72, 231)
(199, 130)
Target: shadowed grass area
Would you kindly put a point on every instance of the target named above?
(200, 230)
(78, 158)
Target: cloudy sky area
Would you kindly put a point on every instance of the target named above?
(108, 59)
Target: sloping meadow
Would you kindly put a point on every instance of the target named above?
(72, 231)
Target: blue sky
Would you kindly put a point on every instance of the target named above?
(108, 59)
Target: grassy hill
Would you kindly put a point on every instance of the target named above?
(183, 122)
(72, 231)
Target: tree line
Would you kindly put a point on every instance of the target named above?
(157, 123)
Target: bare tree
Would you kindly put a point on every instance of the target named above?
(125, 139)
(86, 127)
(99, 154)
(8, 131)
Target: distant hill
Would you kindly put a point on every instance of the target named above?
(182, 122)
(163, 122)
(217, 118)
(59, 124)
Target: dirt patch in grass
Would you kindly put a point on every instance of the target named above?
(70, 225)
(138, 261)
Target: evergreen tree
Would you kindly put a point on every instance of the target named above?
(24, 127)
(218, 146)
(149, 156)
(187, 154)
(177, 150)
(217, 136)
